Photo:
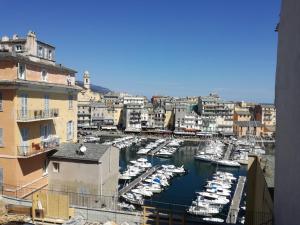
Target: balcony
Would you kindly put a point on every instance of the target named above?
(46, 145)
(36, 115)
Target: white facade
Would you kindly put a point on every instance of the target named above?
(133, 100)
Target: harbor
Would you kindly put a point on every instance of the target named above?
(198, 174)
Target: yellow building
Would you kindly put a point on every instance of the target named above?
(38, 111)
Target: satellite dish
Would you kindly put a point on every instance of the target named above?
(82, 149)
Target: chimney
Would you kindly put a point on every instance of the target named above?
(15, 37)
(31, 44)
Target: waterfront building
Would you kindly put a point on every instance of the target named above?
(242, 115)
(247, 128)
(216, 113)
(38, 111)
(169, 116)
(89, 169)
(159, 118)
(100, 115)
(186, 119)
(266, 114)
(84, 115)
(132, 117)
(145, 123)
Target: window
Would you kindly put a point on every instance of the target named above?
(45, 131)
(50, 54)
(55, 167)
(21, 71)
(1, 102)
(40, 51)
(70, 101)
(18, 48)
(46, 105)
(44, 75)
(24, 100)
(70, 130)
(1, 136)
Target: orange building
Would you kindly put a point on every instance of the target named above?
(38, 111)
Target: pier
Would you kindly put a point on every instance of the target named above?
(137, 180)
(236, 200)
(228, 152)
(152, 152)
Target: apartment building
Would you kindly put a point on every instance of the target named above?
(38, 111)
(216, 113)
(84, 115)
(186, 119)
(132, 117)
(266, 114)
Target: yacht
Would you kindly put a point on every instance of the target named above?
(213, 219)
(227, 163)
(142, 191)
(202, 211)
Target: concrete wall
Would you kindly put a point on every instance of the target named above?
(86, 177)
(110, 171)
(74, 176)
(259, 201)
(287, 164)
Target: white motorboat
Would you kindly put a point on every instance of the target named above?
(142, 191)
(213, 184)
(219, 192)
(208, 195)
(205, 158)
(143, 151)
(213, 219)
(219, 201)
(126, 206)
(201, 211)
(229, 163)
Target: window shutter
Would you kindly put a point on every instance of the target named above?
(1, 136)
(1, 105)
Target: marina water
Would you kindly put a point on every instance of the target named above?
(180, 194)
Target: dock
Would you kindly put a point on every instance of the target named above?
(236, 200)
(152, 152)
(228, 152)
(137, 180)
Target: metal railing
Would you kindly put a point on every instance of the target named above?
(33, 149)
(34, 115)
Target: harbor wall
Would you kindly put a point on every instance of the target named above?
(259, 203)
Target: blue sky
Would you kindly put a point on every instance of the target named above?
(153, 47)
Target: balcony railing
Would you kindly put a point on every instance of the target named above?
(34, 149)
(35, 115)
